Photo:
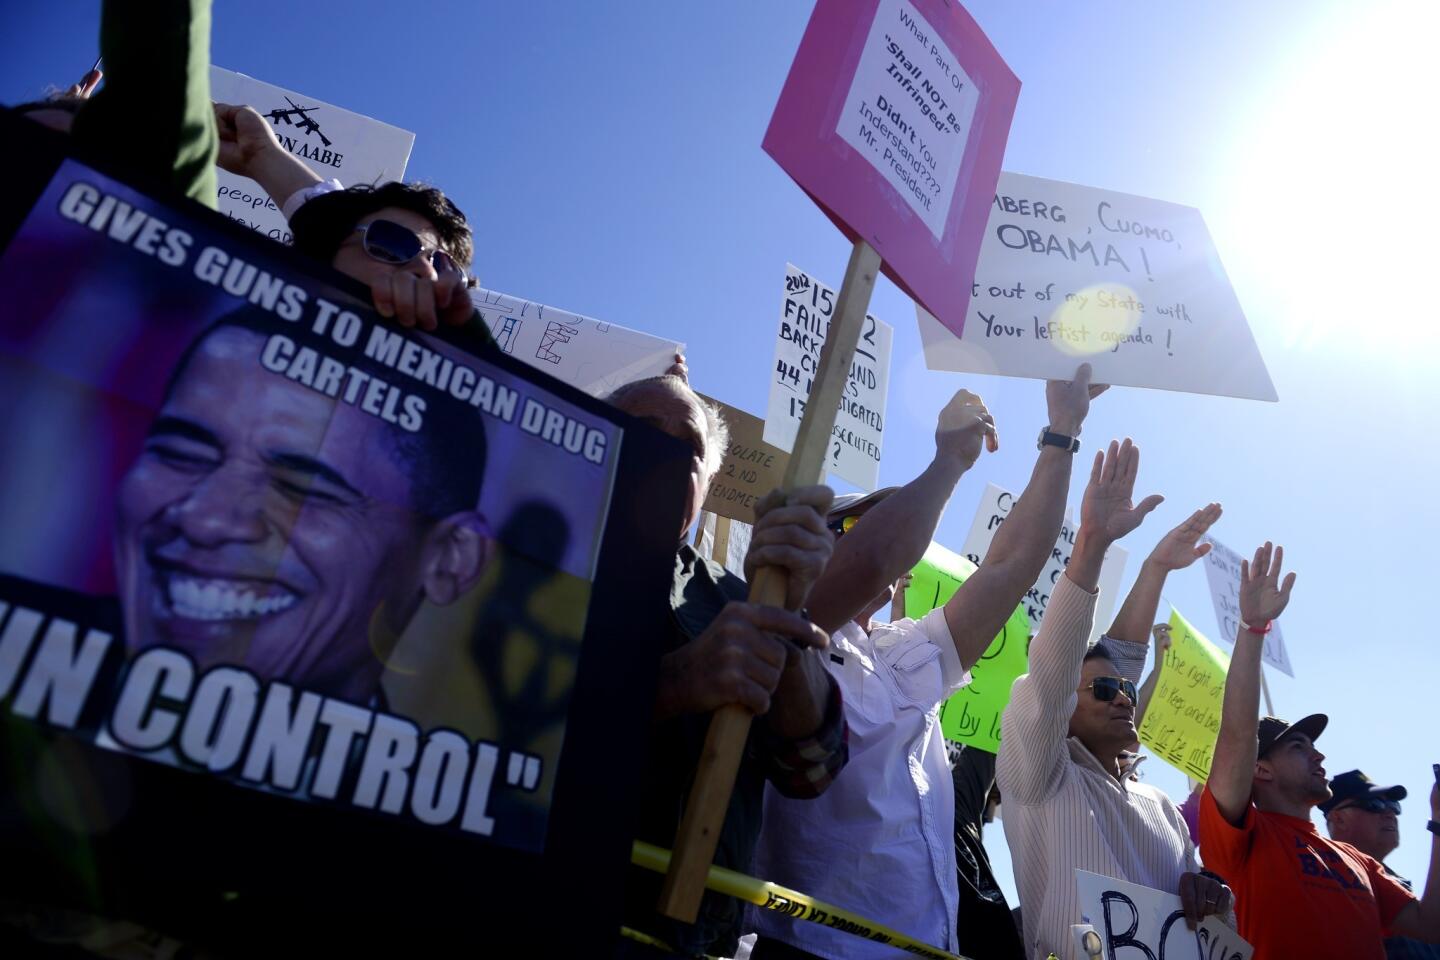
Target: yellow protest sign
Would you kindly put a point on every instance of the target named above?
(972, 715)
(1183, 718)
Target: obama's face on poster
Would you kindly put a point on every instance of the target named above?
(272, 527)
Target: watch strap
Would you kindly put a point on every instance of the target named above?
(1049, 438)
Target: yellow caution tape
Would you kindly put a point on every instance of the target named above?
(646, 939)
(649, 941)
(772, 896)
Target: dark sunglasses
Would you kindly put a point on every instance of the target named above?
(839, 525)
(389, 242)
(1373, 805)
(1105, 689)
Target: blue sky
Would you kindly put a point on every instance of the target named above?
(609, 157)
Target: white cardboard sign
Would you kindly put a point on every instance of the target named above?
(859, 430)
(1222, 571)
(923, 165)
(332, 141)
(586, 353)
(1134, 921)
(994, 507)
(1069, 273)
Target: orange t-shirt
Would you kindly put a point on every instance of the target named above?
(1298, 894)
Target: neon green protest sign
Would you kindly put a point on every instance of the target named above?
(972, 715)
(1183, 717)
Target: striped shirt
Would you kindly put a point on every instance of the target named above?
(1062, 811)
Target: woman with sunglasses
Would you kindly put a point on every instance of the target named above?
(407, 242)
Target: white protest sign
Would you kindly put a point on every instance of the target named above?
(930, 115)
(860, 425)
(995, 506)
(332, 141)
(724, 540)
(1139, 923)
(1132, 285)
(1222, 570)
(586, 353)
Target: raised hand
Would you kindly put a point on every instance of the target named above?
(964, 424)
(86, 85)
(1262, 595)
(1162, 640)
(1180, 547)
(1068, 401)
(1106, 513)
(244, 136)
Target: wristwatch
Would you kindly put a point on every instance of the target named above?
(1434, 827)
(1051, 439)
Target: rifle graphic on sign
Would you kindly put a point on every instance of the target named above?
(306, 122)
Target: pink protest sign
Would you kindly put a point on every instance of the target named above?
(894, 120)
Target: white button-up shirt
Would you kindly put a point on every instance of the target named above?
(879, 841)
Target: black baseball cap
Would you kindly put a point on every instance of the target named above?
(1272, 730)
(1354, 785)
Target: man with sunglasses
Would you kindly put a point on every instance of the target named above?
(1366, 816)
(407, 242)
(880, 841)
(1070, 721)
(1300, 895)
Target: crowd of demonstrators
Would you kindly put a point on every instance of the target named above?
(847, 790)
(1069, 802)
(879, 841)
(1299, 894)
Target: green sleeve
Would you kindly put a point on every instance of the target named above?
(153, 113)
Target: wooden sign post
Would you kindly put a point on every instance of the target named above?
(858, 149)
(730, 726)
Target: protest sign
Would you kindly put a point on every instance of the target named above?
(751, 468)
(586, 353)
(861, 199)
(1183, 717)
(1141, 922)
(332, 141)
(1132, 285)
(894, 119)
(859, 430)
(281, 584)
(724, 540)
(972, 715)
(994, 507)
(1222, 571)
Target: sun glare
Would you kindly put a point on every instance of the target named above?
(1332, 208)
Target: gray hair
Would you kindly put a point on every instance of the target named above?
(717, 434)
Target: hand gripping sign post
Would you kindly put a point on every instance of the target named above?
(893, 119)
